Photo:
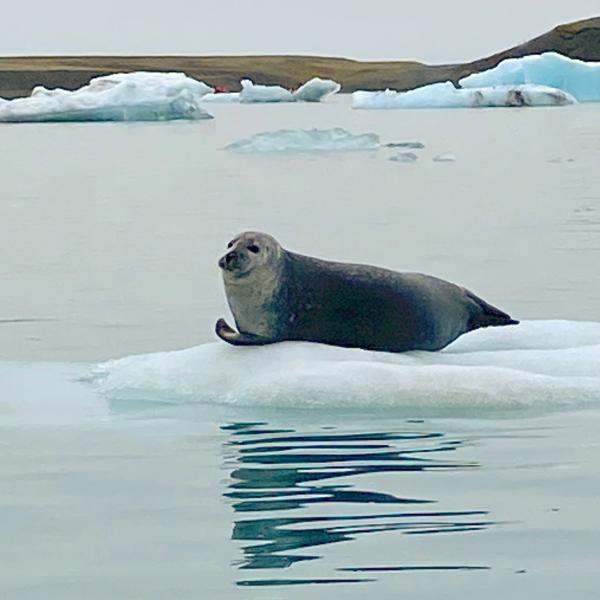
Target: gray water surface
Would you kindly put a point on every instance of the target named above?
(111, 232)
(109, 237)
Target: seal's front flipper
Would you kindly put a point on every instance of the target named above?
(231, 336)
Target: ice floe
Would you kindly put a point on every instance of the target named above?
(252, 93)
(538, 364)
(314, 90)
(139, 96)
(446, 95)
(306, 140)
(576, 77)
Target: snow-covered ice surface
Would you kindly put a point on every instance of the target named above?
(306, 140)
(446, 95)
(316, 89)
(579, 78)
(139, 96)
(539, 364)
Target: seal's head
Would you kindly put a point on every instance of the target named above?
(250, 254)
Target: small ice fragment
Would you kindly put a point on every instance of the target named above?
(316, 89)
(404, 157)
(252, 93)
(444, 158)
(410, 145)
(305, 140)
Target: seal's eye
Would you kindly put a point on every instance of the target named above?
(230, 244)
(253, 248)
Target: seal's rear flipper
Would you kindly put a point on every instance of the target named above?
(231, 336)
(488, 315)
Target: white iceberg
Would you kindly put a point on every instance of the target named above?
(316, 89)
(579, 78)
(313, 90)
(306, 140)
(252, 93)
(139, 96)
(537, 364)
(446, 95)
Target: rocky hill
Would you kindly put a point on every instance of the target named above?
(19, 75)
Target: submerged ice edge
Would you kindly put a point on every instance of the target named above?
(490, 369)
(305, 140)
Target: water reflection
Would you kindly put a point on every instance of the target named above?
(307, 489)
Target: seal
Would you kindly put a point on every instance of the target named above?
(276, 295)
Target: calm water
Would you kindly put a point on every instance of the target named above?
(109, 237)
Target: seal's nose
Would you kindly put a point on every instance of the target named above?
(225, 261)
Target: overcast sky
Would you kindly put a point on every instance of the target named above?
(427, 30)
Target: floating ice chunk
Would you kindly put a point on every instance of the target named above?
(404, 157)
(312, 91)
(252, 93)
(537, 364)
(579, 78)
(410, 145)
(316, 89)
(306, 140)
(140, 96)
(223, 98)
(444, 158)
(445, 95)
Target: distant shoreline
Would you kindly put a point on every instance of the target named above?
(19, 75)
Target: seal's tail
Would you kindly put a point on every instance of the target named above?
(487, 315)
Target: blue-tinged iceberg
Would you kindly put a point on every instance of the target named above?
(446, 95)
(579, 78)
(306, 140)
(139, 96)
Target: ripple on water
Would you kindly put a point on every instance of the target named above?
(296, 494)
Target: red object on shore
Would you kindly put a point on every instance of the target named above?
(221, 89)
